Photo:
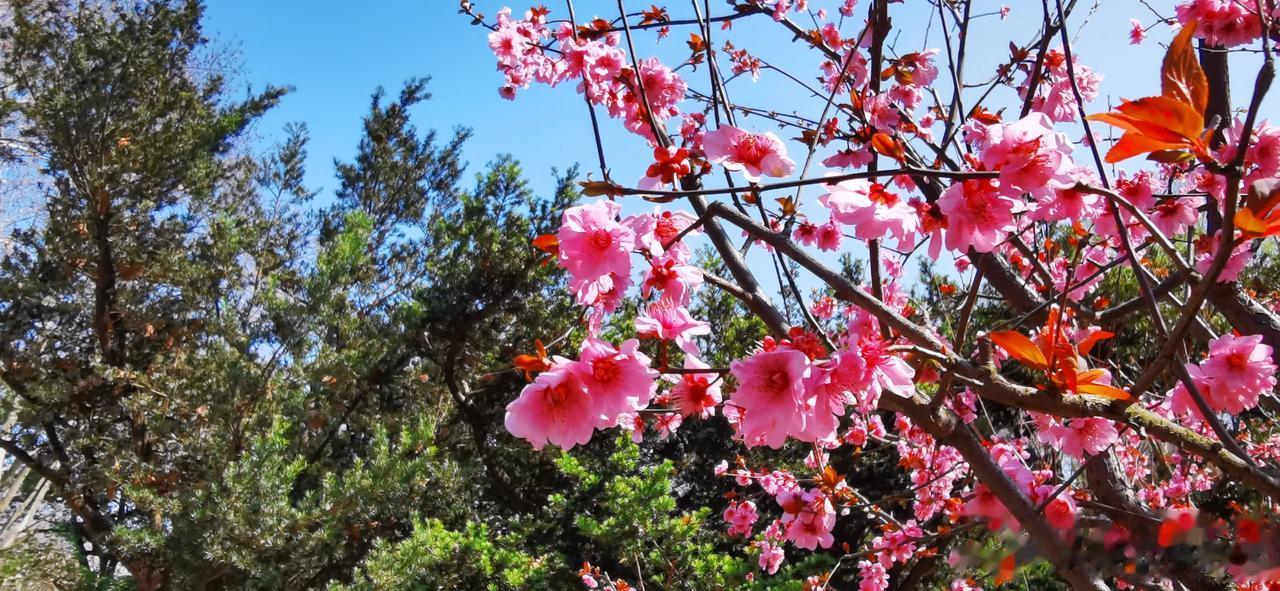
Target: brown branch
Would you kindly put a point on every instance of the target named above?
(826, 180)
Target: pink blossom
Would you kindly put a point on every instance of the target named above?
(978, 216)
(667, 423)
(1172, 215)
(885, 372)
(1004, 12)
(1059, 100)
(1238, 370)
(1068, 203)
(806, 233)
(770, 557)
(777, 481)
(771, 395)
(831, 384)
(872, 576)
(882, 112)
(923, 71)
(1262, 158)
(669, 164)
(671, 322)
(634, 423)
(656, 233)
(691, 130)
(872, 210)
(898, 545)
(554, 409)
(984, 504)
(676, 281)
(849, 158)
(598, 62)
(1207, 249)
(1082, 437)
(1061, 511)
(1221, 22)
(753, 154)
(808, 517)
(823, 308)
(696, 393)
(829, 236)
(741, 518)
(663, 89)
(1030, 156)
(618, 379)
(592, 242)
(602, 293)
(1136, 32)
(855, 72)
(1138, 188)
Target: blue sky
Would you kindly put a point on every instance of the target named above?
(335, 53)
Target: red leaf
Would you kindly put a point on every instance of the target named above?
(887, 145)
(1087, 344)
(1004, 573)
(1021, 348)
(1102, 390)
(1181, 77)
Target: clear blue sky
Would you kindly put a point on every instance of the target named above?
(336, 52)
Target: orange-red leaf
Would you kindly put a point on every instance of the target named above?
(1261, 214)
(1102, 390)
(1134, 144)
(1004, 573)
(1153, 114)
(788, 205)
(1171, 122)
(889, 146)
(1153, 124)
(1181, 77)
(1021, 348)
(1250, 224)
(549, 243)
(531, 364)
(1087, 344)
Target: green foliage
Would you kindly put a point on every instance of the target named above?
(434, 557)
(632, 527)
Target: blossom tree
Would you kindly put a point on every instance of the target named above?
(1149, 470)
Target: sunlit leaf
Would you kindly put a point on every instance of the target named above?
(1103, 390)
(1181, 77)
(1021, 348)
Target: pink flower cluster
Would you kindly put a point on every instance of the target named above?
(807, 517)
(753, 154)
(786, 391)
(1078, 438)
(1237, 371)
(1055, 96)
(607, 386)
(741, 518)
(567, 403)
(1222, 22)
(597, 62)
(872, 210)
(1037, 485)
